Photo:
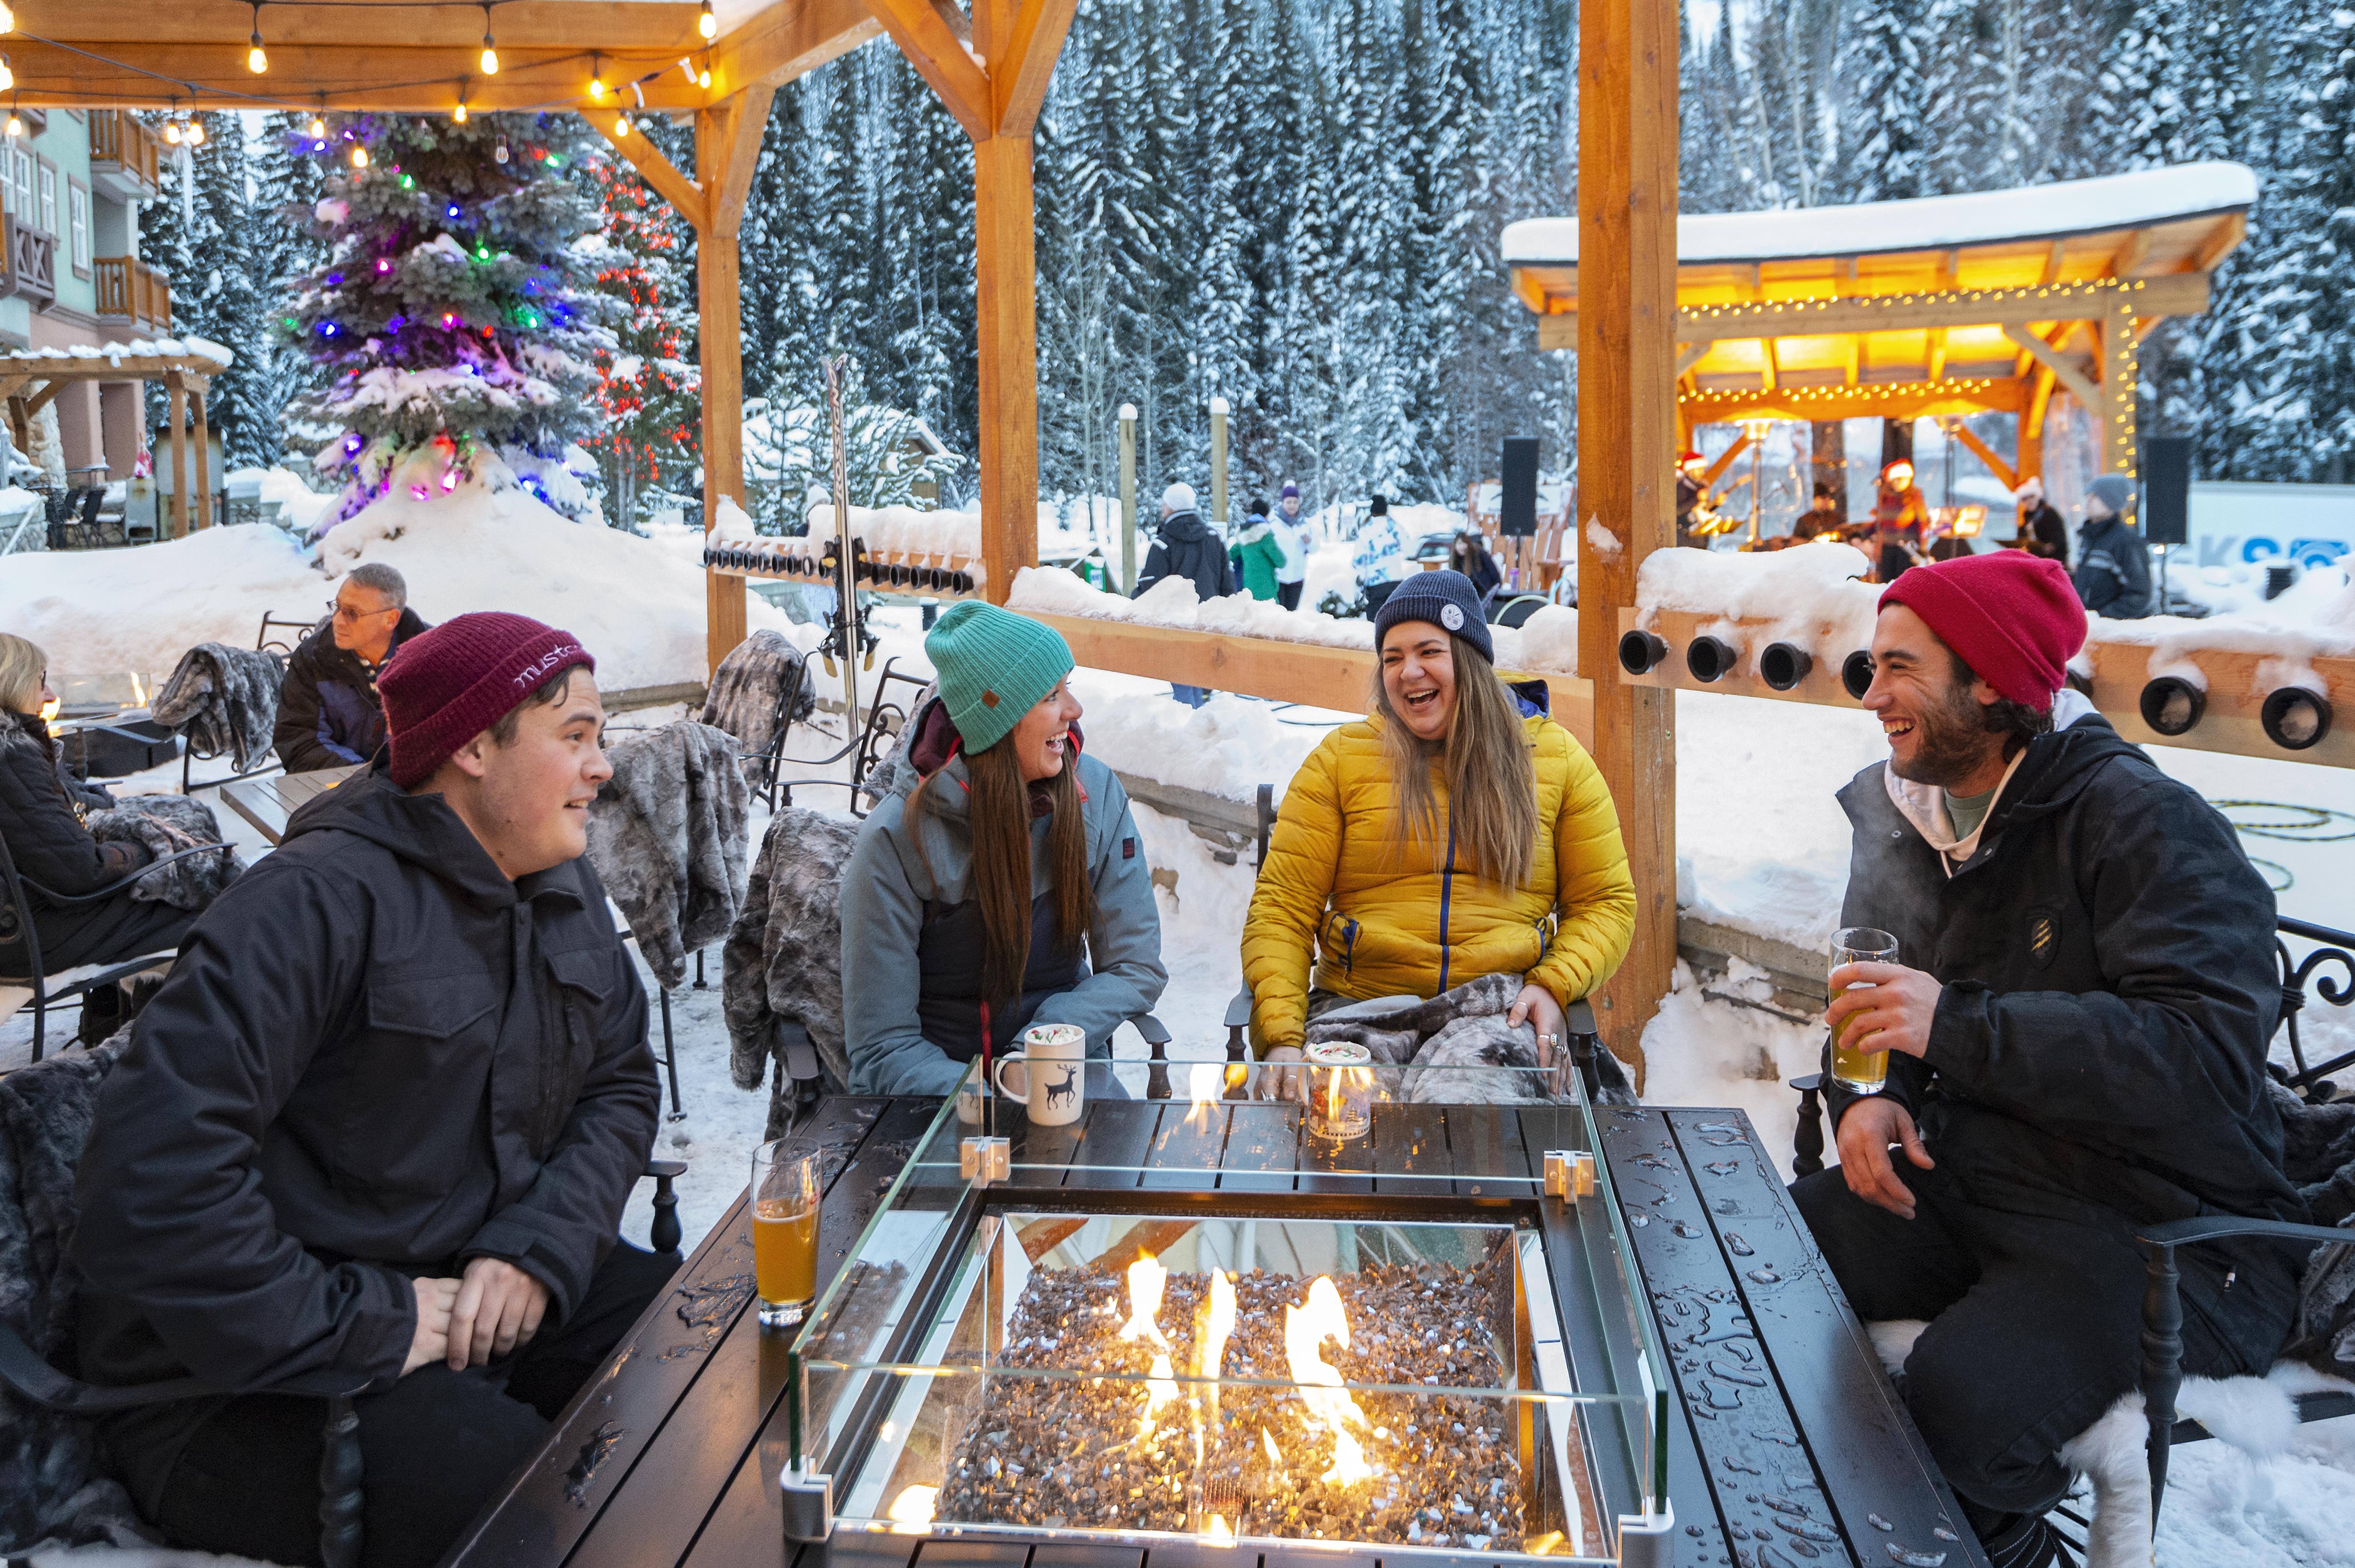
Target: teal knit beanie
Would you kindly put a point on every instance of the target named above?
(994, 665)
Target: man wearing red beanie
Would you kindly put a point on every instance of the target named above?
(2076, 1023)
(380, 1124)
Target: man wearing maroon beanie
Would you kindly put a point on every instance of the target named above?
(379, 1127)
(2076, 1026)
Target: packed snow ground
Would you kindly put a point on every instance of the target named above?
(1763, 844)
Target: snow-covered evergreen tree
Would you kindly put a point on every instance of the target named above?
(452, 321)
(1886, 136)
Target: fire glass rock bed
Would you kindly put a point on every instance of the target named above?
(1334, 1350)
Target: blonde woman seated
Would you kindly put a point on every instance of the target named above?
(1455, 832)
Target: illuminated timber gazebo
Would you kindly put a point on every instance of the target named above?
(1945, 305)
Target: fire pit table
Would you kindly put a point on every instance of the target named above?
(1483, 1324)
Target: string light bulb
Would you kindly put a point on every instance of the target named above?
(620, 125)
(490, 48)
(256, 61)
(596, 77)
(459, 114)
(703, 77)
(318, 128)
(16, 125)
(196, 132)
(359, 156)
(7, 18)
(707, 24)
(8, 77)
(172, 132)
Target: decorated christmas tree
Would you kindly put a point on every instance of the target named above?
(649, 386)
(454, 326)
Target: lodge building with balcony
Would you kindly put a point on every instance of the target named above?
(72, 184)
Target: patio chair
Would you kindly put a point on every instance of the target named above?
(2160, 1379)
(24, 1372)
(46, 991)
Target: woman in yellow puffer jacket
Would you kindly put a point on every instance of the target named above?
(1457, 831)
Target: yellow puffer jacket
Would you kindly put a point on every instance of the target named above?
(1383, 925)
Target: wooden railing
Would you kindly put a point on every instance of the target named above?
(120, 143)
(131, 290)
(32, 257)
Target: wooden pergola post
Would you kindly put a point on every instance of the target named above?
(726, 147)
(177, 385)
(197, 387)
(991, 73)
(1626, 452)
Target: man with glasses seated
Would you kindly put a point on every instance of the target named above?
(329, 715)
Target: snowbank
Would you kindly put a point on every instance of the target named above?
(905, 530)
(638, 605)
(1547, 643)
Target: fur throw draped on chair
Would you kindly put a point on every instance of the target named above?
(783, 960)
(169, 824)
(745, 688)
(667, 834)
(224, 701)
(53, 1485)
(1462, 1029)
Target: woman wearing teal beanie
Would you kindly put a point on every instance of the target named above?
(1001, 852)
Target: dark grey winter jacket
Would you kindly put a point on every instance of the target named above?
(2113, 575)
(1187, 549)
(50, 845)
(377, 1058)
(2107, 957)
(329, 715)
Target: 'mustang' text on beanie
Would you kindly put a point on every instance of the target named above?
(2013, 617)
(444, 686)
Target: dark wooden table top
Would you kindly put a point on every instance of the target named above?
(267, 803)
(1789, 1447)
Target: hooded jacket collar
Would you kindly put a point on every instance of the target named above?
(2049, 772)
(422, 830)
(1184, 528)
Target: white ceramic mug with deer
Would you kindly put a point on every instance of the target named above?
(1052, 1064)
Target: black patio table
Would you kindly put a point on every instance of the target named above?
(1786, 1445)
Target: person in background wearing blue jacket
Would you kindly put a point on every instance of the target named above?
(1000, 854)
(2113, 574)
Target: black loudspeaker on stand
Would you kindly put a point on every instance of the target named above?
(2165, 500)
(1517, 508)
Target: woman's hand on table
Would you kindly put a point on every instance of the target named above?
(1280, 1076)
(1534, 1005)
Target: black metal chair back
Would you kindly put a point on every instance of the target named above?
(2306, 1078)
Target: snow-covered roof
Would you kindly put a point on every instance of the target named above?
(115, 353)
(1928, 223)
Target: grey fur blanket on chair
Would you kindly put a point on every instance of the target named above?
(783, 960)
(53, 1486)
(224, 701)
(1489, 1061)
(169, 824)
(743, 699)
(667, 834)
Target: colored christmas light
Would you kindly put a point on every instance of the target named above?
(384, 263)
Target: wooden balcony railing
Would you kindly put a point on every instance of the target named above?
(32, 257)
(125, 156)
(131, 292)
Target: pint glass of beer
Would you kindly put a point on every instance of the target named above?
(1855, 1069)
(785, 1233)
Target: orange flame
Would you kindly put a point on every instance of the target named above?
(1202, 1081)
(1305, 1328)
(1146, 1279)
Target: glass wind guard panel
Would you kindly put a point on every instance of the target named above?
(1402, 1384)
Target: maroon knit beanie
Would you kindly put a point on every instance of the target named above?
(444, 686)
(2013, 617)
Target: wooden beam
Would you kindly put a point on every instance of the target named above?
(2230, 230)
(1627, 321)
(2053, 262)
(1772, 363)
(2083, 390)
(45, 397)
(2038, 402)
(1716, 471)
(380, 77)
(2031, 446)
(610, 25)
(1986, 453)
(719, 350)
(788, 42)
(2130, 254)
(930, 40)
(1690, 355)
(685, 198)
(2121, 394)
(738, 126)
(179, 412)
(204, 461)
(1021, 41)
(1004, 276)
(1852, 354)
(1937, 353)
(1874, 399)
(2175, 293)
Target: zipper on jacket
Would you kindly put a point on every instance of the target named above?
(1446, 889)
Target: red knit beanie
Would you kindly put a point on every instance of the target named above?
(2013, 617)
(444, 686)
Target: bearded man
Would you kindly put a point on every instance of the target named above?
(2078, 1024)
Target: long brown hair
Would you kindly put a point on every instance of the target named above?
(1492, 795)
(997, 813)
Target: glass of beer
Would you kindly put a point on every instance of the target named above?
(785, 1233)
(1855, 1069)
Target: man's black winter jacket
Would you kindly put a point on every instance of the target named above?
(1187, 549)
(2110, 989)
(375, 1058)
(329, 715)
